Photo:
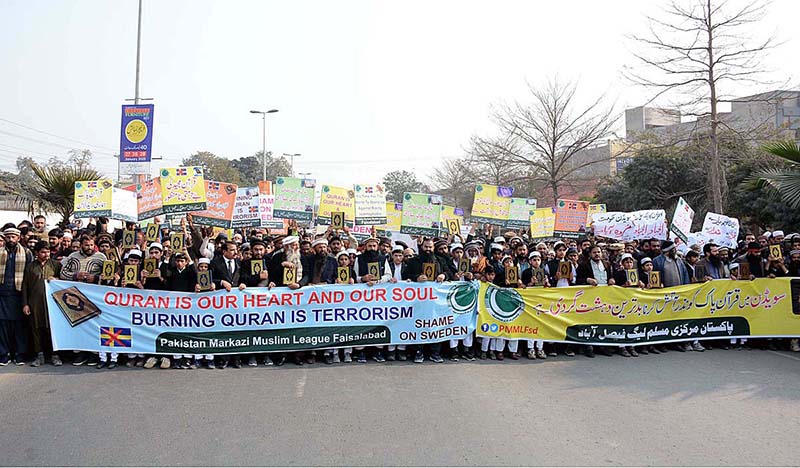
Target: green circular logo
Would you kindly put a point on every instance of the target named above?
(164, 173)
(326, 189)
(407, 196)
(504, 304)
(358, 188)
(279, 181)
(78, 185)
(463, 298)
(561, 203)
(479, 188)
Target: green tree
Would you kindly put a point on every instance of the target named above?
(214, 167)
(250, 168)
(399, 182)
(782, 181)
(53, 188)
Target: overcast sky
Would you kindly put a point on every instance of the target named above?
(363, 87)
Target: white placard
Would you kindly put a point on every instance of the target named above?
(682, 220)
(721, 229)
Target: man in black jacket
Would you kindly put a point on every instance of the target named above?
(414, 272)
(225, 273)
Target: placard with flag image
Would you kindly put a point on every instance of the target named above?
(115, 337)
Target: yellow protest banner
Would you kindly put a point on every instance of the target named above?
(612, 315)
(448, 214)
(491, 204)
(93, 198)
(333, 199)
(543, 222)
(183, 189)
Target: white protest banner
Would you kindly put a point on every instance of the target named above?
(682, 220)
(643, 224)
(721, 229)
(245, 210)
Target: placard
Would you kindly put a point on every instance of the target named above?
(394, 216)
(183, 189)
(370, 204)
(594, 209)
(336, 199)
(245, 209)
(721, 230)
(294, 199)
(124, 205)
(289, 276)
(543, 222)
(148, 198)
(150, 266)
(570, 218)
(520, 212)
(176, 240)
(682, 220)
(266, 206)
(655, 279)
(643, 224)
(337, 219)
(421, 214)
(220, 202)
(93, 198)
(491, 204)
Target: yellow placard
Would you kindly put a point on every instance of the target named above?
(543, 221)
(489, 204)
(333, 199)
(92, 198)
(775, 251)
(374, 269)
(337, 220)
(655, 279)
(394, 216)
(183, 189)
(463, 265)
(256, 267)
(610, 315)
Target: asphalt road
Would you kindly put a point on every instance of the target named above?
(712, 408)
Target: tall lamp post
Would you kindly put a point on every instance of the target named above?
(291, 159)
(264, 140)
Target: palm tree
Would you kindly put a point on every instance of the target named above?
(783, 181)
(53, 188)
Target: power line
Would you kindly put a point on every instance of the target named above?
(42, 142)
(54, 135)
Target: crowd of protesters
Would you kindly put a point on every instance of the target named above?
(30, 254)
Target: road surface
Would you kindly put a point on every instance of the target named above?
(712, 408)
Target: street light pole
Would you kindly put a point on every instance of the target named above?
(264, 139)
(291, 159)
(138, 54)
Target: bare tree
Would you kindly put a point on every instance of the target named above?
(695, 50)
(545, 141)
(455, 180)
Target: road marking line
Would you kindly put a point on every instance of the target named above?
(301, 384)
(784, 355)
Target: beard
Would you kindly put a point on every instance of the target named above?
(426, 257)
(715, 260)
(370, 256)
